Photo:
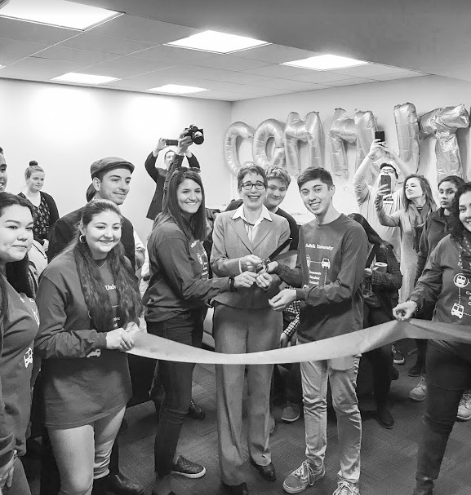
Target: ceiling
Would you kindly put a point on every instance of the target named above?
(402, 39)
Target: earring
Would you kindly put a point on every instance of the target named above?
(82, 239)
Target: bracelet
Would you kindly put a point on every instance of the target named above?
(231, 284)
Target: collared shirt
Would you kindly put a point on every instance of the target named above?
(251, 228)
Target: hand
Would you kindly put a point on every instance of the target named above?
(6, 474)
(132, 328)
(368, 272)
(376, 149)
(45, 245)
(245, 280)
(405, 310)
(389, 151)
(271, 267)
(264, 280)
(119, 340)
(183, 143)
(284, 340)
(162, 143)
(379, 200)
(282, 299)
(249, 263)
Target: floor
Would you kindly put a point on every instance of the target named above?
(388, 456)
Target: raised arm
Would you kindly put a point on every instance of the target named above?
(152, 170)
(360, 186)
(393, 220)
(401, 164)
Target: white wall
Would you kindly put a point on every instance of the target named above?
(66, 128)
(426, 93)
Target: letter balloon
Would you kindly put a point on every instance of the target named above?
(235, 131)
(270, 128)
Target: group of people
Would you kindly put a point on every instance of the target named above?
(75, 327)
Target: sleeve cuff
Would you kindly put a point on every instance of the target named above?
(301, 294)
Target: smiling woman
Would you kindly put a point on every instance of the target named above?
(18, 327)
(88, 302)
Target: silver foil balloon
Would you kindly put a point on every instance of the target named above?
(342, 130)
(308, 131)
(407, 128)
(235, 131)
(443, 122)
(270, 128)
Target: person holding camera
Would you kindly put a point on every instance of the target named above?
(392, 199)
(159, 175)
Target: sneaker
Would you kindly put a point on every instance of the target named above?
(302, 478)
(398, 357)
(345, 487)
(187, 468)
(464, 410)
(291, 413)
(419, 392)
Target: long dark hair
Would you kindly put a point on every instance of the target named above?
(93, 287)
(373, 236)
(426, 189)
(196, 227)
(17, 272)
(457, 229)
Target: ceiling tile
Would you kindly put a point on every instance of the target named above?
(34, 33)
(231, 62)
(140, 29)
(398, 75)
(84, 57)
(276, 54)
(38, 69)
(125, 67)
(108, 44)
(282, 71)
(12, 51)
(353, 81)
(173, 54)
(369, 70)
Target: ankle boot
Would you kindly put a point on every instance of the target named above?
(429, 459)
(100, 485)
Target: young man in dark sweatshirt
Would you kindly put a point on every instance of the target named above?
(332, 256)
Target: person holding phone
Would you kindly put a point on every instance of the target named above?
(387, 182)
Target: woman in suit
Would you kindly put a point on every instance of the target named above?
(244, 322)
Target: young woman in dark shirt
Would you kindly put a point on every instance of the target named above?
(18, 328)
(88, 300)
(176, 298)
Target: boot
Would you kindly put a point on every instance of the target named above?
(429, 459)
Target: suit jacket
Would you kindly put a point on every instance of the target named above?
(230, 242)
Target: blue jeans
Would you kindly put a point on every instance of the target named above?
(176, 379)
(342, 375)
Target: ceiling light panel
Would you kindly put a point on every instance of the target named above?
(57, 13)
(79, 78)
(176, 89)
(213, 41)
(325, 62)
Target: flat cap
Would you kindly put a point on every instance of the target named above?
(109, 163)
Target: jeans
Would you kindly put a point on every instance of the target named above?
(83, 453)
(176, 379)
(448, 376)
(380, 358)
(342, 374)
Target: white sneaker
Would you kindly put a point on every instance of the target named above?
(302, 478)
(419, 392)
(464, 410)
(347, 488)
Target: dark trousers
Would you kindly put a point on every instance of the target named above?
(448, 376)
(176, 379)
(19, 484)
(381, 358)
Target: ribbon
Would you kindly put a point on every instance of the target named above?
(151, 346)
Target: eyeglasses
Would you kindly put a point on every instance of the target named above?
(247, 186)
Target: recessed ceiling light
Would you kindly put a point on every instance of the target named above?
(325, 62)
(176, 89)
(57, 13)
(77, 77)
(212, 41)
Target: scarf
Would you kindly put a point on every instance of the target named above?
(417, 220)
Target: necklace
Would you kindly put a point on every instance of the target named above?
(103, 264)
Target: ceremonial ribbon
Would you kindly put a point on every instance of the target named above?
(350, 344)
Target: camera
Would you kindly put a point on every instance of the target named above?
(196, 134)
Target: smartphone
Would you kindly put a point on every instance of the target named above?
(385, 179)
(380, 135)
